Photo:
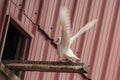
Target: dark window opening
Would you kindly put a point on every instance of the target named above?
(14, 44)
(14, 48)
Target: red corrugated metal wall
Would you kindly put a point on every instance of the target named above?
(99, 47)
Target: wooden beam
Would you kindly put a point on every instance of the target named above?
(46, 66)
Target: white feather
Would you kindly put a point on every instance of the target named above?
(65, 21)
(82, 30)
(66, 39)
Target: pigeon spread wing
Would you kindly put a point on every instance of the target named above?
(65, 21)
(82, 30)
(66, 39)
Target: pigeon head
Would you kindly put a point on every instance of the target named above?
(58, 40)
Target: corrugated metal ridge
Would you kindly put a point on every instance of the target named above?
(97, 47)
(23, 12)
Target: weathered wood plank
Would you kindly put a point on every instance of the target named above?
(8, 73)
(47, 66)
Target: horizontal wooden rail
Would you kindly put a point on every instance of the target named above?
(46, 66)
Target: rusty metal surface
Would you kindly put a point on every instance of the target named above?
(99, 47)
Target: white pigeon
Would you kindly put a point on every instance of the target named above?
(65, 41)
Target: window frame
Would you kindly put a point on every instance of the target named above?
(21, 28)
(17, 24)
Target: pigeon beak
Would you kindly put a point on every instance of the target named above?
(57, 41)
